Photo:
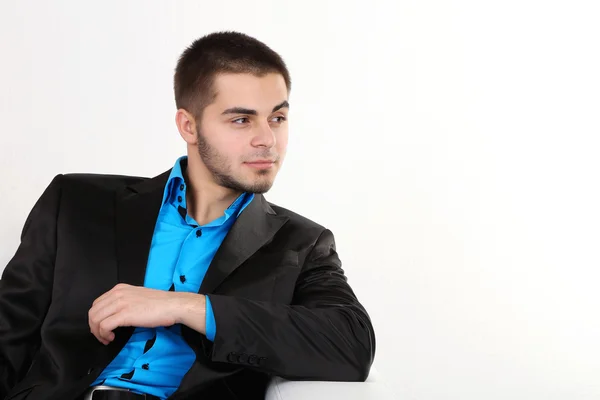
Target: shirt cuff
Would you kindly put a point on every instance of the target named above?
(211, 324)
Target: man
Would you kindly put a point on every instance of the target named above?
(190, 284)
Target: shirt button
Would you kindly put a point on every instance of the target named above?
(146, 366)
(179, 199)
(182, 278)
(181, 187)
(198, 233)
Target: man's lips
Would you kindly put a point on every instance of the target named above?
(260, 163)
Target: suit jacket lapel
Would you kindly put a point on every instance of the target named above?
(254, 228)
(137, 210)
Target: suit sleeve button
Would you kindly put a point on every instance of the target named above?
(232, 357)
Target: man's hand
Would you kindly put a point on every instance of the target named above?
(126, 305)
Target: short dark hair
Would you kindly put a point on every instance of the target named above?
(221, 52)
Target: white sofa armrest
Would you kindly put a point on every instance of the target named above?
(373, 389)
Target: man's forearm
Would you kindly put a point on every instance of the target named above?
(332, 342)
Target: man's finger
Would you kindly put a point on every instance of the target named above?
(116, 288)
(98, 315)
(105, 309)
(108, 325)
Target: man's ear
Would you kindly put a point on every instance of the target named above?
(186, 124)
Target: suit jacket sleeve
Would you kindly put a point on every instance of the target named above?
(325, 334)
(25, 289)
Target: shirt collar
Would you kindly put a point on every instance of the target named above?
(172, 188)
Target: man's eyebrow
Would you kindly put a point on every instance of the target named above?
(284, 104)
(248, 111)
(239, 110)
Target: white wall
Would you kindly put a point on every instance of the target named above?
(452, 147)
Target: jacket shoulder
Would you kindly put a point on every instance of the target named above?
(100, 181)
(297, 221)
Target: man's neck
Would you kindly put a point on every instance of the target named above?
(206, 200)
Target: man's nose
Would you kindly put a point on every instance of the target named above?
(264, 136)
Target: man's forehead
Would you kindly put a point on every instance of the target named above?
(248, 94)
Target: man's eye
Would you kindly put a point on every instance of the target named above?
(240, 121)
(281, 119)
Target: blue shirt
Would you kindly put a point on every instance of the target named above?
(155, 360)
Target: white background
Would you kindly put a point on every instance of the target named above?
(451, 146)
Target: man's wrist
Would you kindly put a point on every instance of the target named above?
(190, 310)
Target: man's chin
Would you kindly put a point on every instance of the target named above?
(257, 186)
(258, 182)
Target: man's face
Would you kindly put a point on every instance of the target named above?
(243, 133)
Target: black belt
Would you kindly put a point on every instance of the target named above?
(121, 395)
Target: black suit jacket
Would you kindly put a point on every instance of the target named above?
(280, 297)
